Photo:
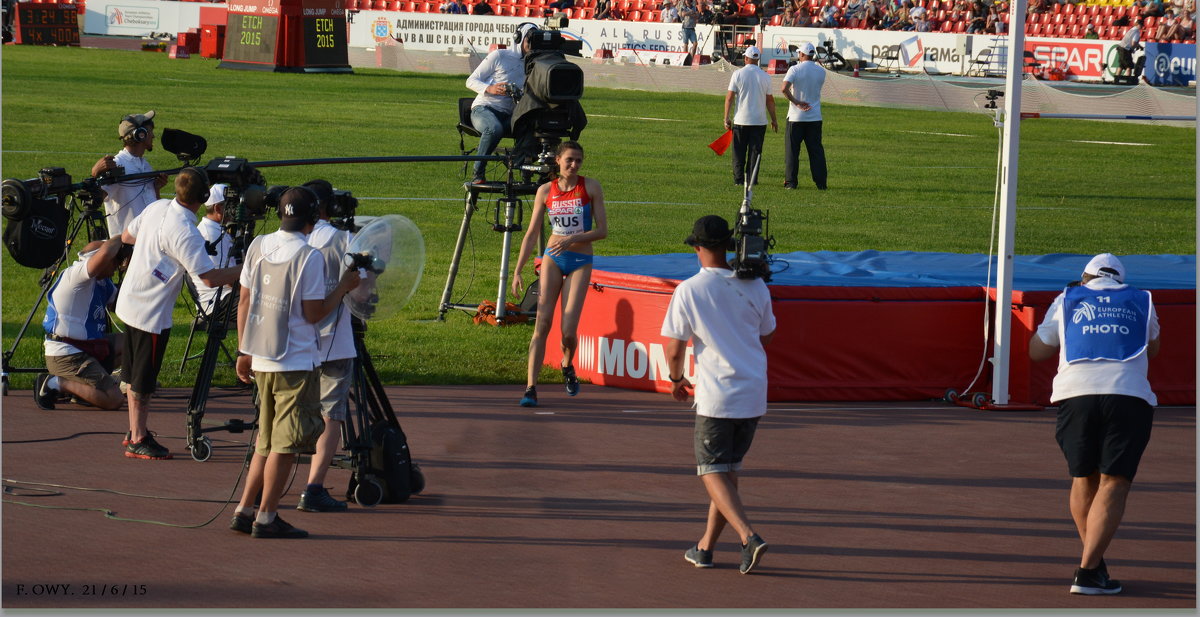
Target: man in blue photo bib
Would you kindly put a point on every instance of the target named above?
(1103, 332)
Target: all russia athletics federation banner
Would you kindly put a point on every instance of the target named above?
(637, 42)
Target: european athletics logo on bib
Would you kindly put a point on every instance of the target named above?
(1106, 324)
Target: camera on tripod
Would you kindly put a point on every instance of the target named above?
(549, 109)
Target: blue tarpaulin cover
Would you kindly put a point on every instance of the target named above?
(914, 269)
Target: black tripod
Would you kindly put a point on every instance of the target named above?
(376, 449)
(91, 219)
(224, 312)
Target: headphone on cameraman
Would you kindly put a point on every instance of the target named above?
(203, 177)
(522, 32)
(138, 133)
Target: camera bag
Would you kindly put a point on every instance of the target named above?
(37, 240)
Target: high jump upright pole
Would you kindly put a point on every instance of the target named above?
(1011, 147)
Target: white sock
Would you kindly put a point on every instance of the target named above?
(265, 518)
(247, 511)
(52, 383)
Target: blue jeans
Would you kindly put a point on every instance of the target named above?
(491, 125)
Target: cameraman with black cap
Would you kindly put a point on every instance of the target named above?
(729, 320)
(125, 200)
(492, 109)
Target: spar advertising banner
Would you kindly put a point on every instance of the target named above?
(636, 42)
(1170, 64)
(949, 53)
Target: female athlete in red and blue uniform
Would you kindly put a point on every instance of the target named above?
(575, 206)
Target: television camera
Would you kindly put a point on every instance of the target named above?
(752, 242)
(548, 109)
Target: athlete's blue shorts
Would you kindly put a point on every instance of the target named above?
(569, 262)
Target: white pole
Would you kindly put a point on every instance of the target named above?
(1011, 141)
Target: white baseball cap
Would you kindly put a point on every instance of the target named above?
(807, 49)
(753, 51)
(1106, 264)
(216, 194)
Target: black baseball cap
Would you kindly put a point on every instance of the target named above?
(710, 231)
(297, 208)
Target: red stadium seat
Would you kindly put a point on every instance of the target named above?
(1093, 10)
(651, 15)
(634, 15)
(1121, 11)
(1060, 31)
(960, 27)
(1106, 10)
(947, 26)
(1075, 31)
(585, 13)
(1057, 18)
(393, 5)
(1151, 22)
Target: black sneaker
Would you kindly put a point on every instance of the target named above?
(752, 552)
(530, 398)
(147, 449)
(1094, 582)
(699, 558)
(320, 501)
(43, 394)
(570, 380)
(277, 528)
(242, 523)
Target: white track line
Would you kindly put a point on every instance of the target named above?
(635, 118)
(1108, 143)
(935, 133)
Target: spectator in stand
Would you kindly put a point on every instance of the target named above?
(1038, 6)
(789, 18)
(688, 18)
(1168, 27)
(1187, 27)
(768, 8)
(829, 15)
(669, 14)
(977, 23)
(603, 10)
(728, 14)
(707, 16)
(874, 13)
(919, 21)
(856, 9)
(802, 13)
(1090, 32)
(995, 22)
(962, 5)
(482, 8)
(562, 5)
(903, 19)
(1153, 8)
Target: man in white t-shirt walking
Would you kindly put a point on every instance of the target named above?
(282, 300)
(123, 201)
(752, 87)
(729, 320)
(802, 87)
(167, 246)
(1104, 333)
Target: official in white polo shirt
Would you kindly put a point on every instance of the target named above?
(752, 87)
(167, 246)
(802, 88)
(1104, 333)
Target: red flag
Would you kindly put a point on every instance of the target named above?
(722, 143)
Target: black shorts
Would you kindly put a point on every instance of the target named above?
(143, 358)
(1104, 432)
(721, 443)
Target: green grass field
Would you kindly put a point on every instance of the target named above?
(899, 180)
